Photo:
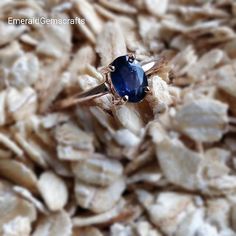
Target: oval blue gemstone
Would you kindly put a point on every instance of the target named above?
(129, 79)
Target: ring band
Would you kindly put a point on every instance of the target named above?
(82, 97)
(106, 87)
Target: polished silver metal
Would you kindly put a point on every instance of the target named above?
(106, 87)
(131, 57)
(111, 68)
(147, 89)
(125, 98)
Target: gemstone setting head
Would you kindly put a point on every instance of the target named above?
(129, 79)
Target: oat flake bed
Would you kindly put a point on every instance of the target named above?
(162, 167)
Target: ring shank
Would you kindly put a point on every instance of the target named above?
(96, 92)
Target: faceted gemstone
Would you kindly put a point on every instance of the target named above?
(129, 79)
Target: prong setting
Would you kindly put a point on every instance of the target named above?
(111, 68)
(120, 100)
(121, 79)
(125, 99)
(131, 57)
(107, 69)
(147, 90)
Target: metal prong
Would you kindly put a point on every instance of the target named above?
(125, 99)
(131, 57)
(120, 100)
(111, 68)
(147, 89)
(107, 69)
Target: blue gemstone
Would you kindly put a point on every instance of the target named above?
(129, 79)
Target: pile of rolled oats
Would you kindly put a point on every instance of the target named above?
(162, 167)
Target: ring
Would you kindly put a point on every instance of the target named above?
(125, 78)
